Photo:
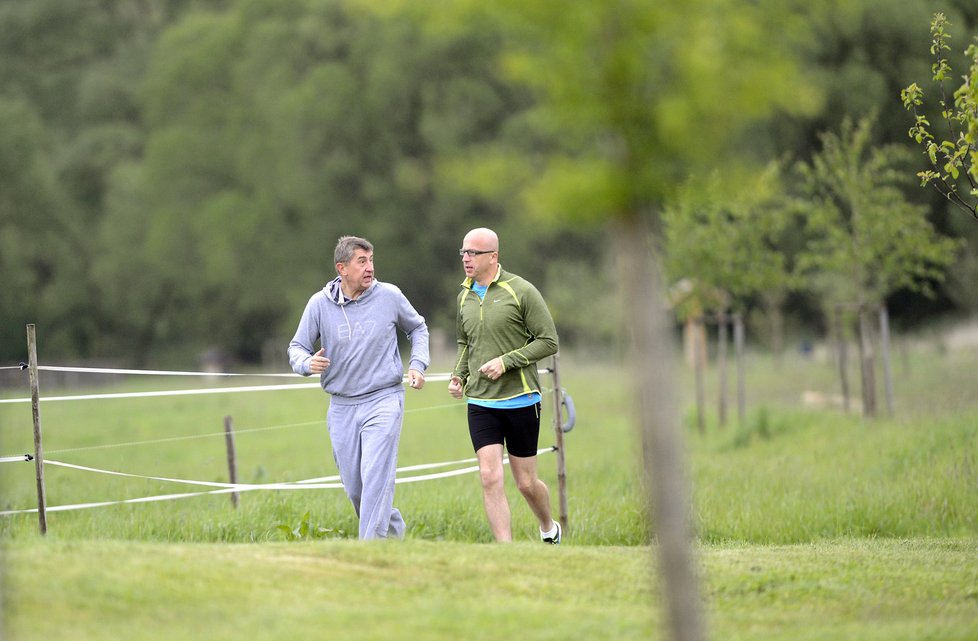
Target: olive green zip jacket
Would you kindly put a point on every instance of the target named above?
(513, 322)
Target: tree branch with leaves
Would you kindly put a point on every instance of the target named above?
(956, 156)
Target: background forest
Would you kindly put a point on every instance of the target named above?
(174, 174)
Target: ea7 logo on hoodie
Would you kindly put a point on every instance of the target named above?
(357, 330)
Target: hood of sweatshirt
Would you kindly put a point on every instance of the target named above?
(334, 292)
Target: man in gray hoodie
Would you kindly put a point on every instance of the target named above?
(355, 319)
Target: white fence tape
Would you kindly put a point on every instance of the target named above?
(232, 486)
(327, 482)
(225, 488)
(186, 392)
(155, 372)
(190, 437)
(432, 378)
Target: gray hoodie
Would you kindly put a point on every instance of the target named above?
(360, 339)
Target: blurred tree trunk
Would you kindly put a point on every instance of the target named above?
(773, 303)
(738, 320)
(842, 355)
(653, 362)
(885, 355)
(866, 360)
(699, 367)
(722, 367)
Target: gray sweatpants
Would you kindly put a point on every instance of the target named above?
(365, 438)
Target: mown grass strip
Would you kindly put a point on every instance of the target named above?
(844, 589)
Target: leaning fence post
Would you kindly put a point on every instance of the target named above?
(559, 435)
(42, 519)
(232, 460)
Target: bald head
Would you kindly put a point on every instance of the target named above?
(481, 238)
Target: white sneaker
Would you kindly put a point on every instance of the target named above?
(552, 540)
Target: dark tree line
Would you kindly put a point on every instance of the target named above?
(173, 175)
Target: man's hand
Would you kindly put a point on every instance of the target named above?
(319, 363)
(415, 379)
(493, 369)
(455, 387)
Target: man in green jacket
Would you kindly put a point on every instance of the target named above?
(504, 328)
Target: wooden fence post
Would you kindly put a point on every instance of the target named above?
(559, 436)
(42, 518)
(232, 460)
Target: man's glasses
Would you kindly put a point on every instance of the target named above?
(475, 252)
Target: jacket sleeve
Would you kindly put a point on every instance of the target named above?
(461, 368)
(303, 344)
(540, 326)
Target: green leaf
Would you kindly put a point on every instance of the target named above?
(290, 534)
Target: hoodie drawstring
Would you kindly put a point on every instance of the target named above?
(335, 294)
(349, 327)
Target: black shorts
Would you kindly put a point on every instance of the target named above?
(517, 427)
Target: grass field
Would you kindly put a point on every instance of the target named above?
(811, 524)
(885, 590)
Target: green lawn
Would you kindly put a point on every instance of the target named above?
(845, 589)
(810, 524)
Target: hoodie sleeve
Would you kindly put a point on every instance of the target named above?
(303, 344)
(412, 323)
